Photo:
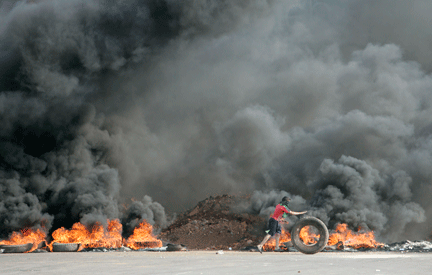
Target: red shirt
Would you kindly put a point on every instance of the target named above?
(279, 211)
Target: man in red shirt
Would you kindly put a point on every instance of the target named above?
(274, 228)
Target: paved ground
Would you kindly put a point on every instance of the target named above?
(206, 262)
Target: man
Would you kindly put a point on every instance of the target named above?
(274, 228)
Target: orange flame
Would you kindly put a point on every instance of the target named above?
(342, 235)
(352, 239)
(308, 236)
(143, 237)
(26, 236)
(96, 236)
(285, 236)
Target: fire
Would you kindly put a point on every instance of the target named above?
(341, 237)
(26, 236)
(285, 236)
(96, 236)
(143, 237)
(356, 240)
(308, 236)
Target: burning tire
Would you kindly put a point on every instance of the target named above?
(309, 248)
(65, 247)
(148, 244)
(41, 245)
(21, 248)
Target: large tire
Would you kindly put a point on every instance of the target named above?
(20, 248)
(65, 247)
(300, 245)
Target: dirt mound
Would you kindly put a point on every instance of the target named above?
(213, 225)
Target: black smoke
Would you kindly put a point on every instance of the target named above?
(172, 101)
(65, 100)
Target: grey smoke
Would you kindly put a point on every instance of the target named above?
(104, 101)
(263, 203)
(146, 209)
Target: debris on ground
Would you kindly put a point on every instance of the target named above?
(176, 247)
(410, 246)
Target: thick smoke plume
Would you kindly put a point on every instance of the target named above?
(168, 102)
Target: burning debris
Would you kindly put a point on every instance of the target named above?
(284, 242)
(211, 225)
(82, 238)
(143, 237)
(257, 99)
(111, 238)
(28, 239)
(94, 237)
(343, 237)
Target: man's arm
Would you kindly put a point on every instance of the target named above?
(296, 213)
(292, 213)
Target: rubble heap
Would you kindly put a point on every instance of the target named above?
(213, 225)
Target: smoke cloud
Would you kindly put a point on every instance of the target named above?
(168, 102)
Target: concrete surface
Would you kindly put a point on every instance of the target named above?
(209, 262)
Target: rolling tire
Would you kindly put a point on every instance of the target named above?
(300, 245)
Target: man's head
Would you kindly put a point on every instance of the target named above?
(285, 201)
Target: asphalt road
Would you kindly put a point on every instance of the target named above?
(209, 262)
